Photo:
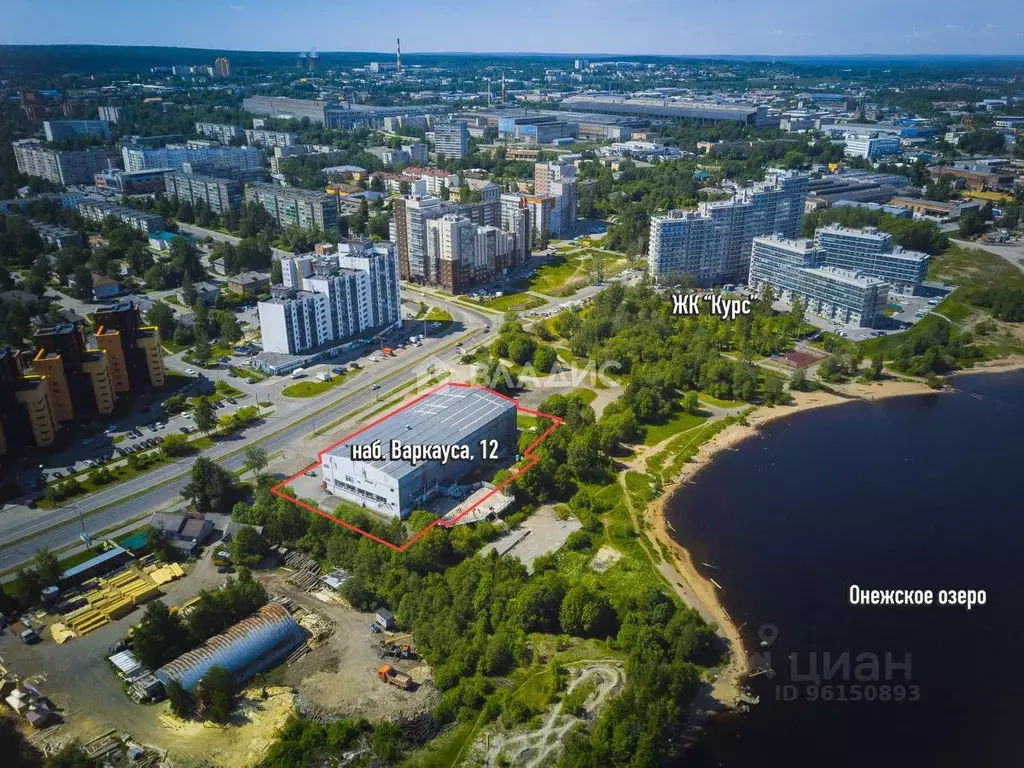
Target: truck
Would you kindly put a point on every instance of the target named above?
(389, 674)
(324, 376)
(298, 373)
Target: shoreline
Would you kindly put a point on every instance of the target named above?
(727, 690)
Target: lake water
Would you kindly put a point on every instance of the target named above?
(918, 493)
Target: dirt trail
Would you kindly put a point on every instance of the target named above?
(540, 747)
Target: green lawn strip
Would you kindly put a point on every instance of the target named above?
(680, 421)
(438, 315)
(514, 302)
(710, 400)
(313, 387)
(587, 395)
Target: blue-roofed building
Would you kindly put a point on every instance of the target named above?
(264, 639)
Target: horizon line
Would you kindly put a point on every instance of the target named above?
(553, 54)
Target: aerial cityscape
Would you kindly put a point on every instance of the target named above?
(489, 400)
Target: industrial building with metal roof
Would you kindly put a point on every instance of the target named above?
(250, 646)
(451, 416)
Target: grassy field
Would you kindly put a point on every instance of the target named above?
(516, 302)
(680, 422)
(719, 402)
(588, 395)
(438, 315)
(567, 273)
(313, 387)
(973, 267)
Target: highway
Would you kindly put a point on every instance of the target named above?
(23, 534)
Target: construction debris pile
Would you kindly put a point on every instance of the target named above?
(27, 701)
(306, 574)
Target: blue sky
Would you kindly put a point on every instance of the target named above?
(682, 27)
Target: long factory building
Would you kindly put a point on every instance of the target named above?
(450, 417)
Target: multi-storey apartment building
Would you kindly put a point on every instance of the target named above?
(262, 138)
(451, 139)
(222, 132)
(461, 254)
(712, 243)
(58, 166)
(871, 252)
(345, 295)
(291, 206)
(219, 195)
(797, 269)
(27, 416)
(98, 210)
(175, 156)
(409, 229)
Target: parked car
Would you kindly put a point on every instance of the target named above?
(310, 473)
(232, 401)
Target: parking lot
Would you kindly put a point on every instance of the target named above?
(911, 310)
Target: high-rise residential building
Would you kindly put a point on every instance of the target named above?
(58, 166)
(222, 132)
(870, 147)
(712, 243)
(558, 180)
(61, 130)
(98, 210)
(451, 139)
(417, 152)
(546, 174)
(566, 193)
(871, 252)
(797, 269)
(261, 138)
(295, 269)
(291, 206)
(409, 221)
(112, 115)
(27, 416)
(461, 254)
(133, 349)
(222, 66)
(351, 293)
(175, 156)
(219, 195)
(409, 229)
(79, 378)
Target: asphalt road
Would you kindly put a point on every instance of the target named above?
(58, 528)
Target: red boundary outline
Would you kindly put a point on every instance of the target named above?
(527, 454)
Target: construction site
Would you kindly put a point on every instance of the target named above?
(69, 675)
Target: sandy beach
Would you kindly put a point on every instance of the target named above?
(727, 691)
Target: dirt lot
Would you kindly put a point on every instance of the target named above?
(78, 679)
(340, 676)
(543, 532)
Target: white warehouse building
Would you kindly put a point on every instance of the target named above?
(451, 416)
